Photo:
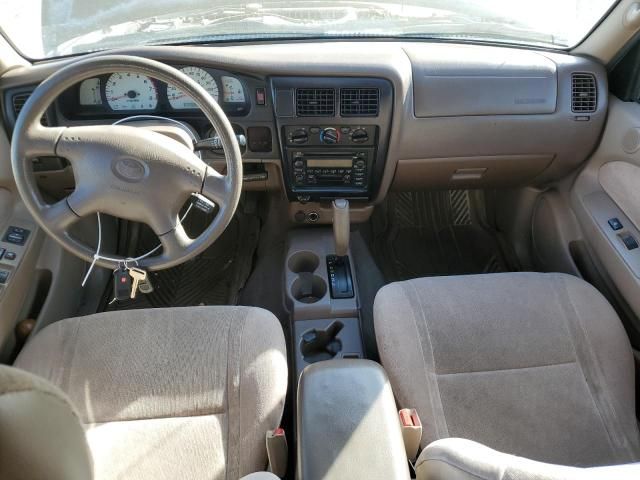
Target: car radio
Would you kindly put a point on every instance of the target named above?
(330, 169)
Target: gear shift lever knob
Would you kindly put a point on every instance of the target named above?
(341, 226)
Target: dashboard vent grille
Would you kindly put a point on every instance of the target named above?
(359, 102)
(584, 94)
(18, 100)
(315, 102)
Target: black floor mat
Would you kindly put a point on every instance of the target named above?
(215, 277)
(419, 234)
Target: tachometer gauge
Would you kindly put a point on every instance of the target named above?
(180, 100)
(131, 91)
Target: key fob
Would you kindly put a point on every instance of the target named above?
(121, 284)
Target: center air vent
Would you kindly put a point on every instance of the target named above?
(18, 100)
(359, 102)
(584, 95)
(315, 102)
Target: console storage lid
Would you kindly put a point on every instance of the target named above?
(348, 423)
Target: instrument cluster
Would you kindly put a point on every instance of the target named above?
(124, 92)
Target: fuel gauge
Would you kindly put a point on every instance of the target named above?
(232, 90)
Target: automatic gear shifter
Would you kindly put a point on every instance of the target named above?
(341, 226)
(338, 265)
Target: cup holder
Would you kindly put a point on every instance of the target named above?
(321, 344)
(303, 262)
(308, 288)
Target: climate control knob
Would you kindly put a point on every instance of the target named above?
(299, 136)
(330, 136)
(359, 135)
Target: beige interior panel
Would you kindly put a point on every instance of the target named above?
(553, 228)
(613, 33)
(469, 172)
(9, 58)
(607, 187)
(621, 181)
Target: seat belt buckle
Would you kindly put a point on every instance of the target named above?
(277, 451)
(411, 427)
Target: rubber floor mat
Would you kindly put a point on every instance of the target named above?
(214, 277)
(419, 234)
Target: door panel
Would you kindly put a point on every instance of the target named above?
(19, 268)
(609, 188)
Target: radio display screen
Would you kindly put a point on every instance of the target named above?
(330, 163)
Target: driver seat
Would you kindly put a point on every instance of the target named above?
(144, 394)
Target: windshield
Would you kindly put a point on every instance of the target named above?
(51, 28)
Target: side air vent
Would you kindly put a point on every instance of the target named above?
(315, 102)
(18, 100)
(584, 94)
(359, 102)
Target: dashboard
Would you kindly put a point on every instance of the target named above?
(359, 119)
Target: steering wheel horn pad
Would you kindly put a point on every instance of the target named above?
(124, 171)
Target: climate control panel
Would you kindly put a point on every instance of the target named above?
(315, 136)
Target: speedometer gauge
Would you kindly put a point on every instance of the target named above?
(180, 100)
(131, 91)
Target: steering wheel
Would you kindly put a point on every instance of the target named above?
(127, 172)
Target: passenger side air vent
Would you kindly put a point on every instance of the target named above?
(18, 100)
(584, 94)
(315, 102)
(359, 102)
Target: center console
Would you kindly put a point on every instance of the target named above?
(323, 304)
(333, 134)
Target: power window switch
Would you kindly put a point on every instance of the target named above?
(629, 241)
(615, 224)
(16, 235)
(4, 276)
(9, 255)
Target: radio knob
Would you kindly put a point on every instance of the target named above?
(359, 135)
(330, 136)
(360, 164)
(298, 164)
(299, 136)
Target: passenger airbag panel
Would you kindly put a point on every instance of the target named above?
(500, 82)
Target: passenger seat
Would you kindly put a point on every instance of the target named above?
(534, 365)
